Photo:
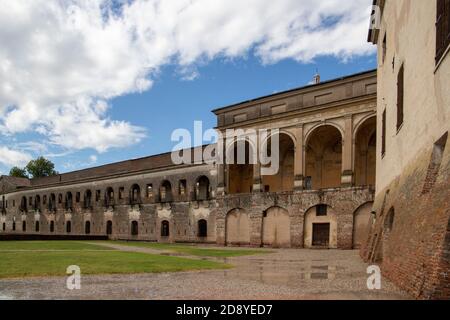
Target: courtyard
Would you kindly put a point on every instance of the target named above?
(131, 270)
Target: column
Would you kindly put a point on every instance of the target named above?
(347, 153)
(298, 159)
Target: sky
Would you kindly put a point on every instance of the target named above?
(90, 82)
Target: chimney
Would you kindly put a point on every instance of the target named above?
(316, 79)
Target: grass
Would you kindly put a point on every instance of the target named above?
(194, 251)
(35, 262)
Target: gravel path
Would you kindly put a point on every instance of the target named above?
(284, 274)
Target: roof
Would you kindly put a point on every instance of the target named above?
(221, 109)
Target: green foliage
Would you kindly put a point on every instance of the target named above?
(38, 168)
(18, 172)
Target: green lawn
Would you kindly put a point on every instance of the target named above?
(36, 262)
(194, 251)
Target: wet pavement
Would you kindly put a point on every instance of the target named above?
(284, 274)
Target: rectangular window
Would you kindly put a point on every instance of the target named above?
(384, 48)
(97, 195)
(400, 96)
(149, 190)
(30, 201)
(321, 210)
(442, 28)
(77, 197)
(182, 187)
(383, 134)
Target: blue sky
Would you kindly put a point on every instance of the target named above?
(105, 91)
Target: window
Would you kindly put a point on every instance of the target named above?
(121, 192)
(442, 28)
(400, 96)
(165, 228)
(36, 228)
(14, 203)
(202, 228)
(384, 48)
(135, 194)
(97, 195)
(321, 210)
(77, 197)
(44, 200)
(202, 188)
(182, 187)
(87, 227)
(24, 226)
(109, 227)
(149, 190)
(60, 198)
(68, 227)
(383, 134)
(30, 201)
(134, 228)
(52, 226)
(266, 188)
(4, 226)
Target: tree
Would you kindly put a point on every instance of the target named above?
(40, 167)
(18, 172)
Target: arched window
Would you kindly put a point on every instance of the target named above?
(202, 188)
(87, 227)
(14, 226)
(52, 203)
(88, 199)
(24, 226)
(4, 226)
(109, 227)
(68, 226)
(69, 201)
(202, 228)
(52, 226)
(165, 191)
(134, 228)
(36, 228)
(109, 197)
(37, 203)
(165, 232)
(23, 204)
(135, 196)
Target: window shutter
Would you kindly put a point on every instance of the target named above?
(442, 28)
(400, 96)
(383, 134)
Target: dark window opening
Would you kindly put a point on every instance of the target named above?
(69, 201)
(14, 226)
(77, 197)
(165, 232)
(134, 228)
(321, 234)
(182, 187)
(87, 227)
(37, 203)
(109, 197)
(202, 228)
(266, 189)
(23, 205)
(44, 200)
(68, 226)
(4, 226)
(321, 210)
(400, 96)
(389, 223)
(88, 199)
(52, 203)
(121, 193)
(109, 227)
(36, 228)
(384, 48)
(97, 195)
(383, 134)
(149, 190)
(166, 192)
(52, 226)
(308, 183)
(24, 226)
(60, 198)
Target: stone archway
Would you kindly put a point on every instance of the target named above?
(320, 227)
(237, 228)
(361, 222)
(276, 228)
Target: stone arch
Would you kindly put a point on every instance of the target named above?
(237, 228)
(361, 224)
(320, 227)
(165, 229)
(240, 166)
(365, 152)
(276, 228)
(323, 124)
(323, 157)
(134, 228)
(284, 179)
(202, 228)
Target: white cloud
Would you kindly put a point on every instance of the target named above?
(11, 157)
(61, 60)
